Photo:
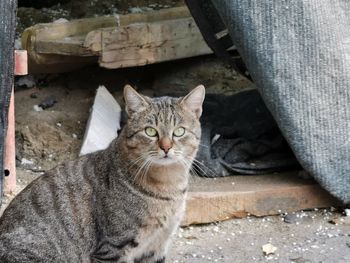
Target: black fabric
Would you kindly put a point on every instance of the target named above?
(240, 136)
(215, 33)
(298, 55)
(7, 38)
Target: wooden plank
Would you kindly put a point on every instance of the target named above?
(212, 200)
(68, 46)
(53, 47)
(40, 61)
(78, 27)
(141, 44)
(81, 27)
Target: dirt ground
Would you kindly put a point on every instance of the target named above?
(46, 138)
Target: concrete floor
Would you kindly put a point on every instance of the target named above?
(309, 238)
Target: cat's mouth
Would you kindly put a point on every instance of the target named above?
(167, 158)
(164, 159)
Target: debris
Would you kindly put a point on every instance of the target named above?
(343, 220)
(269, 249)
(103, 123)
(74, 136)
(59, 125)
(347, 211)
(18, 44)
(37, 108)
(34, 95)
(25, 161)
(190, 237)
(27, 81)
(60, 21)
(290, 218)
(336, 221)
(215, 138)
(135, 10)
(48, 102)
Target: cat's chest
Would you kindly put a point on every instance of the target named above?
(155, 233)
(162, 219)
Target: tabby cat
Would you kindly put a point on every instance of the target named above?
(117, 205)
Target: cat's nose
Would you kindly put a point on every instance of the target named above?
(165, 144)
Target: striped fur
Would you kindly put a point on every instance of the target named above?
(117, 205)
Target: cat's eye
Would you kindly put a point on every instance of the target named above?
(151, 132)
(179, 132)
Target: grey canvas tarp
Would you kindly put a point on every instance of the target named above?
(298, 55)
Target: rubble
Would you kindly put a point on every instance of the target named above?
(269, 249)
(48, 102)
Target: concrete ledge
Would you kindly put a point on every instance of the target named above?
(211, 200)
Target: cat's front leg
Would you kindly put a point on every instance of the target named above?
(162, 260)
(151, 257)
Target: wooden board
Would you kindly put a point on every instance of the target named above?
(212, 200)
(142, 44)
(114, 41)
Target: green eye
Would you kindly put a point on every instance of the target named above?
(179, 132)
(151, 132)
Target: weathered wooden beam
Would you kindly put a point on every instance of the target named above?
(210, 200)
(68, 46)
(79, 27)
(148, 43)
(118, 41)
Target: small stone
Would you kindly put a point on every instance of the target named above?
(25, 161)
(37, 108)
(26, 81)
(290, 218)
(269, 249)
(34, 95)
(344, 220)
(48, 102)
(60, 21)
(347, 212)
(135, 10)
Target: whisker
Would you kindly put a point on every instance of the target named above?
(207, 172)
(188, 165)
(202, 168)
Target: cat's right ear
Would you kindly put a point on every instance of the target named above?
(194, 100)
(134, 101)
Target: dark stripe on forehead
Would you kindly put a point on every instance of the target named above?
(165, 111)
(155, 117)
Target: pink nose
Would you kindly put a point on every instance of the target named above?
(165, 144)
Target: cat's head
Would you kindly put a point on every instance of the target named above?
(164, 130)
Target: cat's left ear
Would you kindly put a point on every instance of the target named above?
(133, 100)
(194, 100)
